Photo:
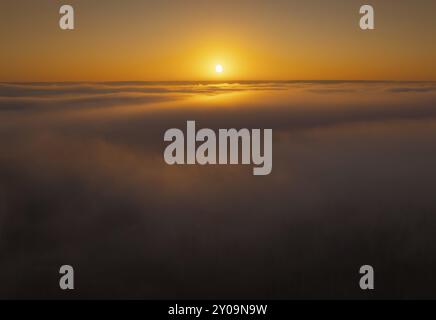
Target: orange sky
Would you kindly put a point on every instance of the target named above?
(163, 40)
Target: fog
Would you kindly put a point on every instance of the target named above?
(83, 182)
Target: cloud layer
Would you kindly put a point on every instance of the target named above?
(83, 182)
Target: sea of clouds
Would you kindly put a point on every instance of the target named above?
(83, 182)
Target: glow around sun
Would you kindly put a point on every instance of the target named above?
(219, 68)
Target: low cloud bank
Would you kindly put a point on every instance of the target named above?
(83, 182)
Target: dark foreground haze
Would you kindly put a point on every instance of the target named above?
(83, 182)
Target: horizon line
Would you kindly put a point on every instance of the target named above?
(216, 81)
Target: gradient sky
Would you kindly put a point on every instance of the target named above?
(183, 40)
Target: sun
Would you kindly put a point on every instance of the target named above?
(219, 68)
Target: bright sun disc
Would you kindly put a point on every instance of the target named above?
(219, 68)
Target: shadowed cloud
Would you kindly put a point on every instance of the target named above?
(83, 182)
